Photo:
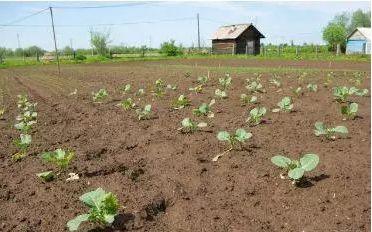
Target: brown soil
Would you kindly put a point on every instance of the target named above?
(165, 179)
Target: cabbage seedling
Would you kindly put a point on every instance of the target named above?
(127, 104)
(361, 92)
(126, 88)
(221, 94)
(189, 126)
(296, 168)
(342, 93)
(204, 109)
(22, 143)
(145, 113)
(181, 102)
(159, 89)
(225, 82)
(140, 92)
(285, 105)
(46, 176)
(58, 157)
(236, 139)
(329, 133)
(99, 96)
(197, 89)
(350, 110)
(203, 79)
(103, 209)
(276, 82)
(312, 87)
(256, 115)
(255, 87)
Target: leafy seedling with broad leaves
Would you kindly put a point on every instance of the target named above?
(204, 109)
(245, 99)
(145, 113)
(296, 168)
(276, 82)
(197, 89)
(329, 133)
(103, 206)
(181, 102)
(127, 104)
(285, 105)
(255, 87)
(99, 96)
(126, 88)
(46, 176)
(220, 93)
(203, 80)
(189, 126)
(361, 92)
(341, 94)
(312, 87)
(22, 143)
(159, 89)
(225, 81)
(256, 115)
(350, 110)
(59, 157)
(235, 141)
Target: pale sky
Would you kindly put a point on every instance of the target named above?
(150, 23)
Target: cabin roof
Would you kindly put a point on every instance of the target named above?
(365, 31)
(233, 31)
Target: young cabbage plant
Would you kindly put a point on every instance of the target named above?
(256, 115)
(126, 88)
(99, 96)
(197, 89)
(329, 133)
(103, 206)
(245, 99)
(275, 81)
(25, 121)
(225, 81)
(22, 143)
(204, 109)
(350, 110)
(220, 93)
(22, 101)
(285, 105)
(203, 80)
(127, 104)
(361, 92)
(341, 94)
(145, 113)
(46, 176)
(235, 141)
(312, 87)
(59, 157)
(296, 169)
(189, 126)
(140, 92)
(298, 91)
(159, 89)
(181, 102)
(255, 87)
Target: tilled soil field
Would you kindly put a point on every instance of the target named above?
(165, 180)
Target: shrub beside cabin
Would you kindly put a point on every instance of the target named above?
(237, 39)
(359, 41)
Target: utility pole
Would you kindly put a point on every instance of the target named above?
(54, 37)
(197, 17)
(19, 46)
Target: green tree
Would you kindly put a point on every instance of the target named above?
(2, 54)
(68, 51)
(100, 41)
(335, 34)
(359, 19)
(170, 49)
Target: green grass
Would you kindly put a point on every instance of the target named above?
(14, 62)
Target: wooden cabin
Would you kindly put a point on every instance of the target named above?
(359, 41)
(237, 39)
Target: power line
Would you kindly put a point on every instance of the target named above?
(107, 6)
(102, 24)
(24, 18)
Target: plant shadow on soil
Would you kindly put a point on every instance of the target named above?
(307, 182)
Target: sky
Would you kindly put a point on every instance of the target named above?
(151, 23)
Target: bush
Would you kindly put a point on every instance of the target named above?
(80, 57)
(170, 49)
